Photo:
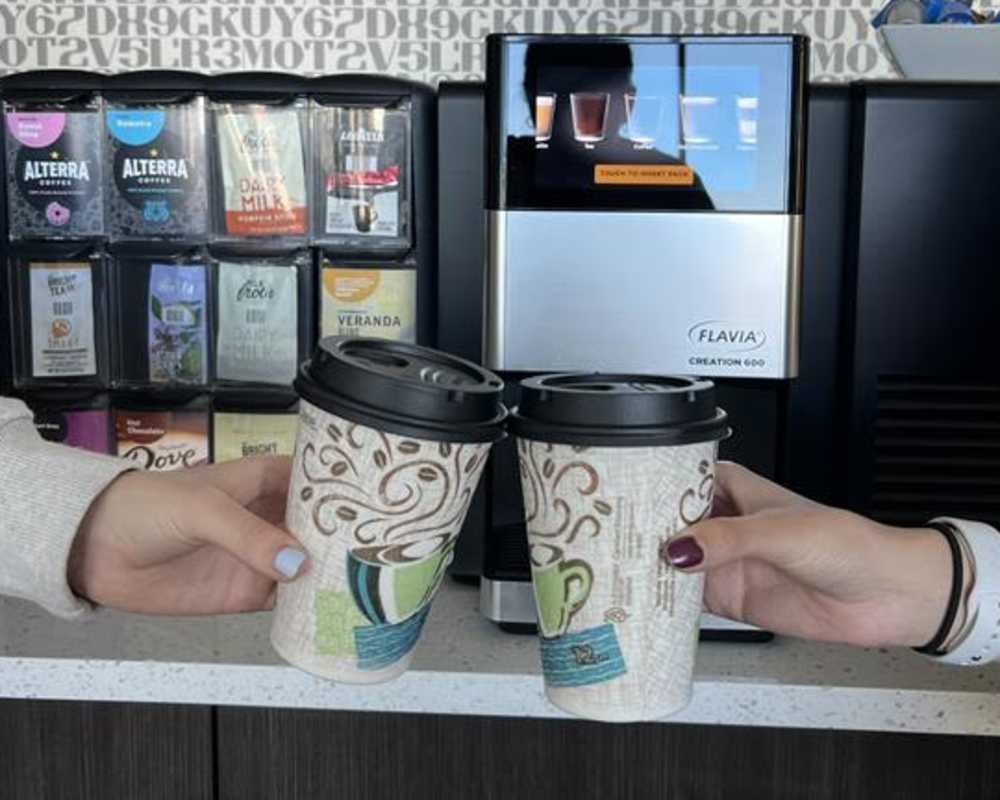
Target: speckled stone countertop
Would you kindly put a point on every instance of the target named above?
(465, 665)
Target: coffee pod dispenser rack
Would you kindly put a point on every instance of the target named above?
(178, 243)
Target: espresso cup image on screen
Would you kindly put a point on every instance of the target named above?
(392, 441)
(612, 467)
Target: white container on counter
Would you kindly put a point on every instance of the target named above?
(944, 52)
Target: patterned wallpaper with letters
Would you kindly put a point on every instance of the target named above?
(424, 39)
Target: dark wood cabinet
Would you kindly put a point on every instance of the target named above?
(282, 754)
(103, 751)
(54, 750)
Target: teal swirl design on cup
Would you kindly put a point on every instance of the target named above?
(583, 658)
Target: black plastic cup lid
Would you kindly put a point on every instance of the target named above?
(404, 389)
(607, 410)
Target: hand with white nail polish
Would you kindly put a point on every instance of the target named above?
(200, 541)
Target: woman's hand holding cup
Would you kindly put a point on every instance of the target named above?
(786, 564)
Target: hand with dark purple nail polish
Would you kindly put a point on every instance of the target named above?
(683, 553)
(792, 566)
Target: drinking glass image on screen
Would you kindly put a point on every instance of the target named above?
(699, 119)
(645, 123)
(746, 117)
(590, 116)
(645, 114)
(545, 108)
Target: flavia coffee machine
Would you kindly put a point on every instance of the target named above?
(644, 200)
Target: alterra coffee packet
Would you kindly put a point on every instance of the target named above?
(178, 340)
(158, 159)
(262, 164)
(55, 178)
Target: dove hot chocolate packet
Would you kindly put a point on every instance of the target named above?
(162, 441)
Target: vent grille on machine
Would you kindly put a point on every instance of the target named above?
(936, 451)
(510, 554)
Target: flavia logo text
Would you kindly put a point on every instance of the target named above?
(726, 336)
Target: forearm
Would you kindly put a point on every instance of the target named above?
(45, 491)
(920, 572)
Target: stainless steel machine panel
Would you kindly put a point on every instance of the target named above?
(711, 294)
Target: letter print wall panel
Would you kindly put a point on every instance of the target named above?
(426, 40)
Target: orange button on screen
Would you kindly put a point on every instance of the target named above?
(644, 174)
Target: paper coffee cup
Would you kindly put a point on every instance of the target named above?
(613, 466)
(391, 443)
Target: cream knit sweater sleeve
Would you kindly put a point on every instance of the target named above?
(45, 490)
